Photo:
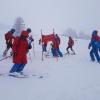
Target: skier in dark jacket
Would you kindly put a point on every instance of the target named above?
(44, 47)
(30, 40)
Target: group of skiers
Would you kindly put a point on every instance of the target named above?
(20, 46)
(95, 46)
(55, 46)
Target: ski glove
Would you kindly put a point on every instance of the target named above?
(29, 46)
(13, 53)
(99, 49)
(89, 45)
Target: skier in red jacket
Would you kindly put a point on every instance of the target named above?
(55, 47)
(70, 45)
(9, 40)
(20, 49)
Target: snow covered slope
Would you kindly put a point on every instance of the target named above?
(73, 77)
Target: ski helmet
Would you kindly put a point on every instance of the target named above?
(29, 30)
(94, 32)
(12, 30)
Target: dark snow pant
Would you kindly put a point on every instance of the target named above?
(70, 47)
(44, 48)
(53, 52)
(93, 54)
(17, 68)
(57, 52)
(9, 45)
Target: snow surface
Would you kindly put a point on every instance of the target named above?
(73, 77)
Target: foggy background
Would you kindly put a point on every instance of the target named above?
(81, 15)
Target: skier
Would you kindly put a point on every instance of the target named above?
(53, 50)
(70, 45)
(20, 49)
(40, 41)
(44, 46)
(9, 40)
(30, 40)
(58, 38)
(95, 44)
(55, 47)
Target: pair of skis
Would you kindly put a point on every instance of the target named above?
(21, 75)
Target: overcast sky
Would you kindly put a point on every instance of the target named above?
(81, 15)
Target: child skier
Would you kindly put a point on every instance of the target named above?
(44, 47)
(95, 44)
(55, 47)
(9, 40)
(70, 45)
(30, 40)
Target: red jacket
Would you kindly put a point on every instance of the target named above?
(25, 33)
(9, 36)
(70, 42)
(95, 37)
(20, 47)
(55, 43)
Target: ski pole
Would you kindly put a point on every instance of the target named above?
(30, 57)
(33, 50)
(5, 57)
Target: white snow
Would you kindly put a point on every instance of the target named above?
(72, 77)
